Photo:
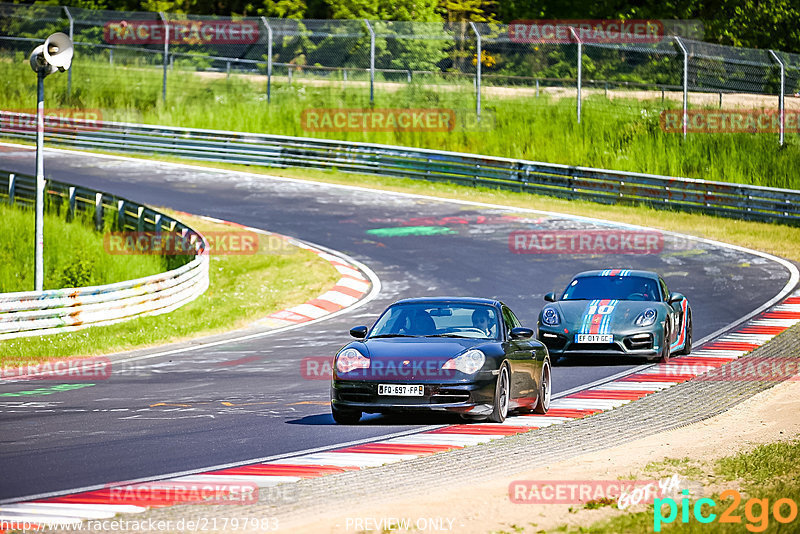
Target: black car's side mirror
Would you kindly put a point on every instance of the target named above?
(521, 332)
(675, 297)
(550, 297)
(359, 332)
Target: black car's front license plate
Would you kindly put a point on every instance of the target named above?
(401, 390)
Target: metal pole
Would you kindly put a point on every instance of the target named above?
(478, 71)
(38, 276)
(685, 85)
(69, 72)
(166, 56)
(371, 62)
(269, 58)
(781, 108)
(580, 56)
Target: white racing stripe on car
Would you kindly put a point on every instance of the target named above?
(262, 481)
(345, 459)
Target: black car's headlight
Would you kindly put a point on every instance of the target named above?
(646, 318)
(350, 359)
(550, 317)
(469, 362)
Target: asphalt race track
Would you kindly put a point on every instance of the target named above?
(247, 399)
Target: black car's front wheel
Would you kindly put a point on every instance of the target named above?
(502, 395)
(344, 416)
(545, 387)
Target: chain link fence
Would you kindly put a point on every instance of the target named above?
(485, 61)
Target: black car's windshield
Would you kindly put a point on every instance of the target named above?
(612, 287)
(438, 320)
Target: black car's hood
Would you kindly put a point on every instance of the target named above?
(417, 359)
(427, 347)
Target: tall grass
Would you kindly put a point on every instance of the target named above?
(620, 134)
(74, 254)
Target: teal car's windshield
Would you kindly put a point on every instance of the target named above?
(438, 320)
(612, 287)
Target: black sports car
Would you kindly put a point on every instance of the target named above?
(617, 312)
(470, 356)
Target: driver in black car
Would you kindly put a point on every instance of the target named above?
(481, 321)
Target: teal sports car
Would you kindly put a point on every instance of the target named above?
(616, 312)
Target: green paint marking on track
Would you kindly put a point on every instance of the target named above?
(46, 391)
(411, 230)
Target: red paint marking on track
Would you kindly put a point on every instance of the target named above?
(104, 496)
(399, 448)
(656, 377)
(349, 291)
(692, 360)
(246, 359)
(482, 429)
(758, 329)
(285, 470)
(611, 394)
(731, 345)
(326, 305)
(780, 315)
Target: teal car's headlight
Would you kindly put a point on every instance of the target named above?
(351, 359)
(469, 362)
(550, 317)
(646, 318)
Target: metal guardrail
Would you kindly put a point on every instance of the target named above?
(563, 181)
(33, 313)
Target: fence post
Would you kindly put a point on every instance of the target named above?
(269, 58)
(685, 85)
(12, 185)
(478, 71)
(371, 62)
(580, 62)
(71, 204)
(71, 27)
(166, 55)
(98, 211)
(781, 109)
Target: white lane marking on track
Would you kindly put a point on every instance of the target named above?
(346, 459)
(262, 481)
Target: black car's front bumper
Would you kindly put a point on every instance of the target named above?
(475, 398)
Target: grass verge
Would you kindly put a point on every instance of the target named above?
(242, 289)
(73, 254)
(623, 133)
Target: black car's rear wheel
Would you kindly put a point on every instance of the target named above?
(502, 395)
(344, 416)
(545, 387)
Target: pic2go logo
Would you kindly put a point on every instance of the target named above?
(756, 511)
